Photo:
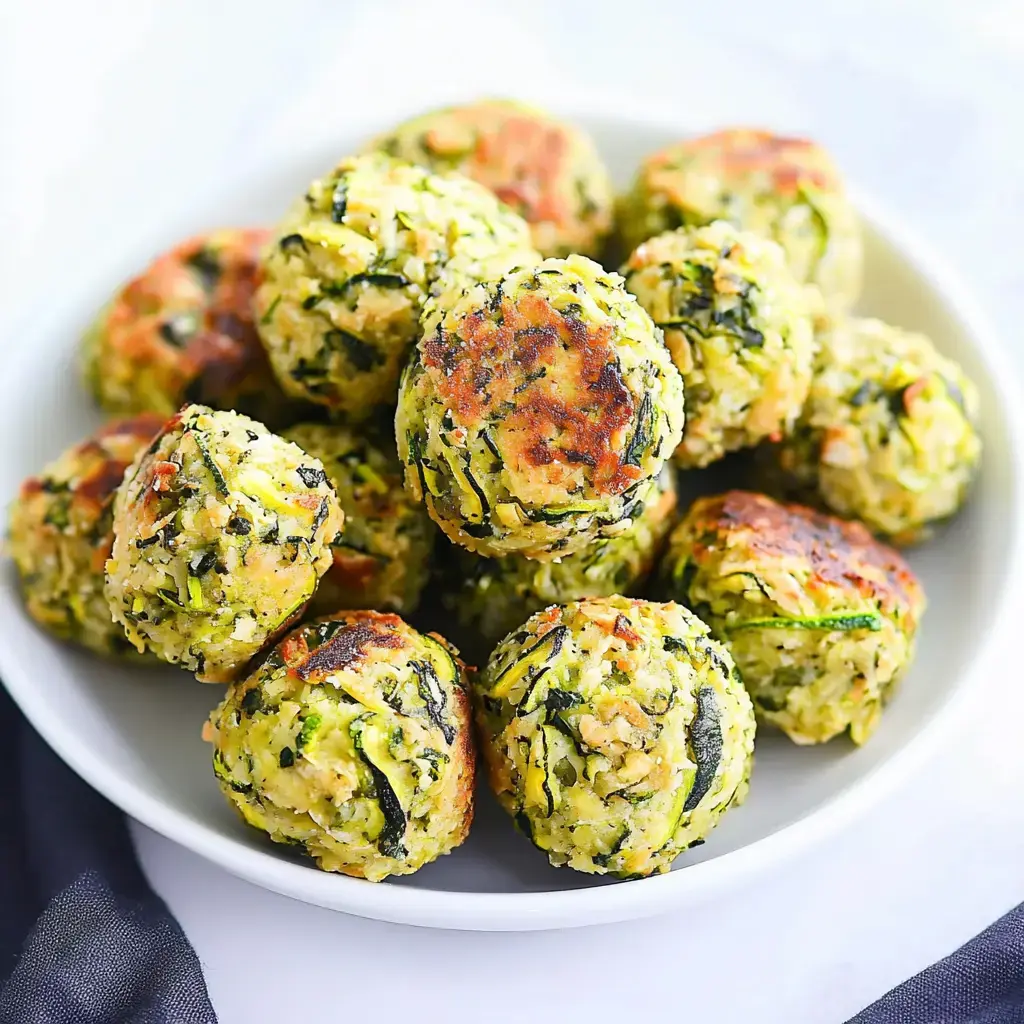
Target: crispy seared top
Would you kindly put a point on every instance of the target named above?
(90, 472)
(313, 659)
(519, 155)
(546, 382)
(740, 153)
(192, 306)
(835, 552)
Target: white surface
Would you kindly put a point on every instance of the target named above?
(874, 80)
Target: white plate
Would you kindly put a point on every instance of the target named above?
(134, 734)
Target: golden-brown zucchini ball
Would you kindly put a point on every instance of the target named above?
(352, 740)
(819, 616)
(737, 325)
(538, 409)
(222, 531)
(61, 532)
(546, 170)
(182, 331)
(616, 733)
(888, 434)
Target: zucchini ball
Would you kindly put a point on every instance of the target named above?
(491, 596)
(616, 732)
(888, 435)
(182, 331)
(349, 269)
(352, 741)
(61, 531)
(783, 188)
(222, 531)
(819, 616)
(382, 560)
(537, 409)
(548, 171)
(738, 328)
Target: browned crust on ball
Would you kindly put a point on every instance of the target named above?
(224, 350)
(838, 553)
(503, 355)
(741, 152)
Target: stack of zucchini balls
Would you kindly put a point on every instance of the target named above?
(422, 373)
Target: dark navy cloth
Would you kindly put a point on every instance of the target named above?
(981, 983)
(83, 938)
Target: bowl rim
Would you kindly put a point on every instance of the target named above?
(598, 904)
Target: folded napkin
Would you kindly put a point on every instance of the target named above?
(84, 940)
(981, 983)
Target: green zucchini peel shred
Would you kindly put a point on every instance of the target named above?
(864, 620)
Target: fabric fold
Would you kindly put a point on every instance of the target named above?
(83, 937)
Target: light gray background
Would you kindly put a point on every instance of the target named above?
(111, 112)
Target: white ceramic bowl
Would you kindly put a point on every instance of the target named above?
(134, 733)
